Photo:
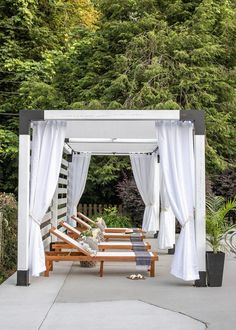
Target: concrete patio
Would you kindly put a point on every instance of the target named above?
(77, 298)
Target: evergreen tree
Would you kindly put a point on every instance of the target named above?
(126, 54)
(34, 35)
(160, 55)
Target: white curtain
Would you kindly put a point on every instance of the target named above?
(146, 174)
(78, 172)
(47, 148)
(166, 235)
(177, 164)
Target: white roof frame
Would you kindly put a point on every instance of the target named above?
(114, 137)
(110, 132)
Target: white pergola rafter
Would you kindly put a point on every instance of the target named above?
(111, 140)
(99, 121)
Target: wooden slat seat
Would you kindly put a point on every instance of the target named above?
(116, 245)
(122, 236)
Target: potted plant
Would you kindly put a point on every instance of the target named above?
(217, 226)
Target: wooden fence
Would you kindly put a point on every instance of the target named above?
(93, 209)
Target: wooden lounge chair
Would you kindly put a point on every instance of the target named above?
(123, 235)
(82, 255)
(108, 229)
(75, 233)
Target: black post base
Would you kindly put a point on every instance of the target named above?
(156, 234)
(172, 251)
(202, 280)
(23, 278)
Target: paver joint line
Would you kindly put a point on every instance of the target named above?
(126, 316)
(174, 311)
(55, 298)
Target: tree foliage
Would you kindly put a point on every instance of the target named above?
(131, 200)
(34, 36)
(161, 55)
(104, 173)
(225, 184)
(8, 235)
(127, 54)
(8, 160)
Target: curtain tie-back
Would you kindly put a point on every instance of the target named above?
(188, 220)
(165, 209)
(35, 220)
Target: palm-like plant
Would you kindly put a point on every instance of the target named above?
(217, 224)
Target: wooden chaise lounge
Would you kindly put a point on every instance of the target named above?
(75, 233)
(123, 235)
(82, 255)
(108, 229)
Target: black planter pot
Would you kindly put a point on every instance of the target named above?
(215, 268)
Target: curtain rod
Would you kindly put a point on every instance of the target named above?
(113, 153)
(110, 140)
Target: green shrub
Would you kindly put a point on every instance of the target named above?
(225, 184)
(114, 219)
(131, 201)
(8, 235)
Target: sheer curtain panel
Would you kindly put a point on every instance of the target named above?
(47, 148)
(166, 235)
(146, 174)
(177, 164)
(78, 172)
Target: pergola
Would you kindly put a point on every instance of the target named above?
(108, 132)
